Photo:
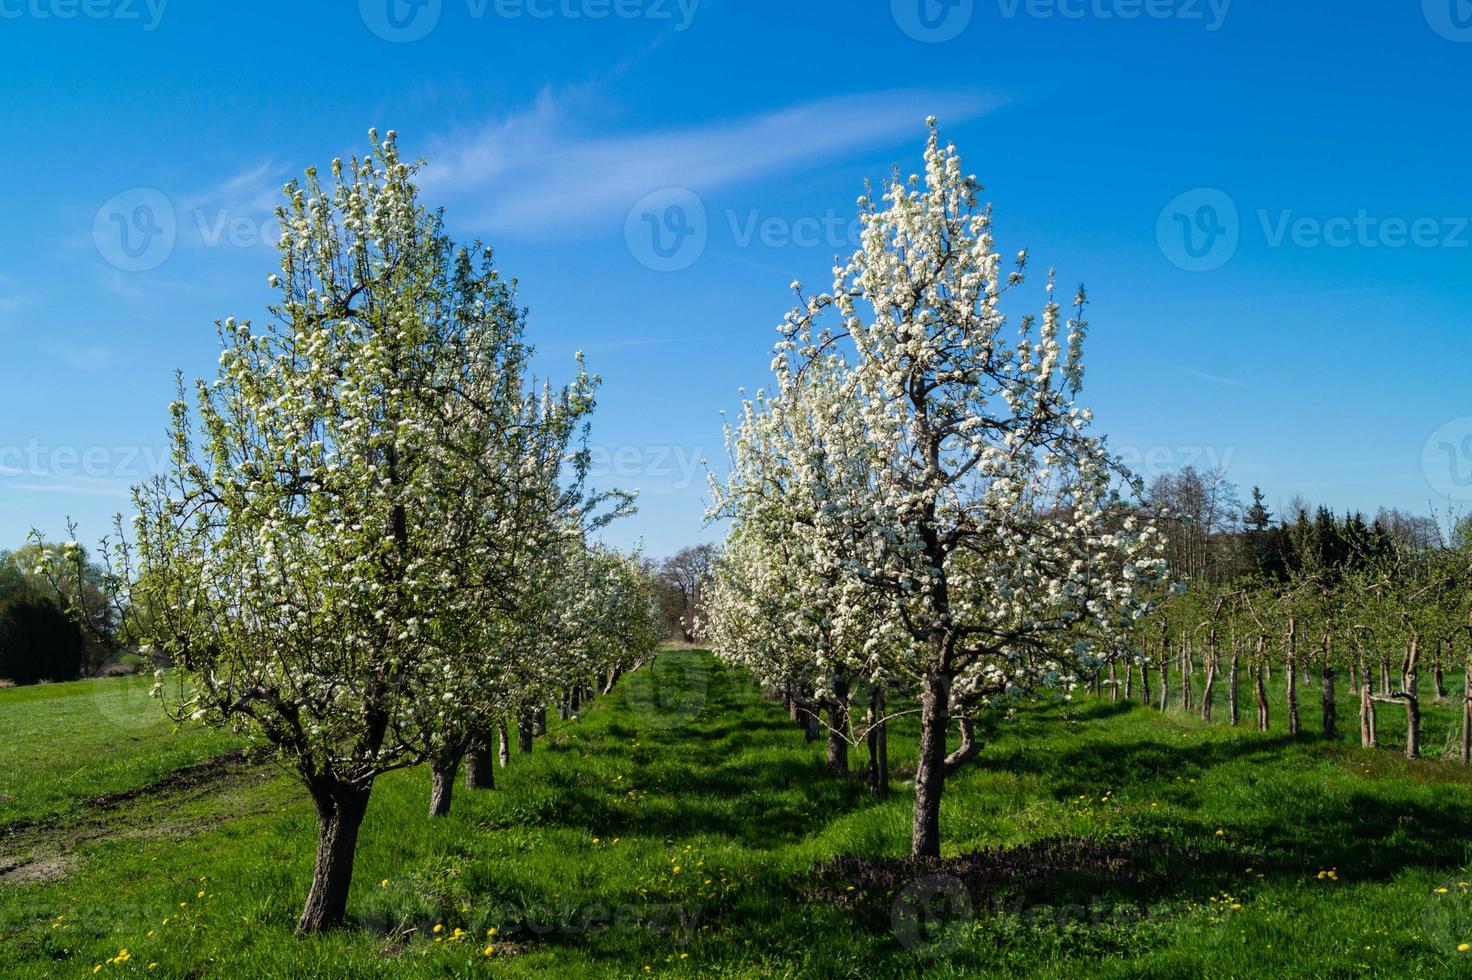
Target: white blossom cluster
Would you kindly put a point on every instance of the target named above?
(919, 495)
(373, 539)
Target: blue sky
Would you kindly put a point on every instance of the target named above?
(1311, 334)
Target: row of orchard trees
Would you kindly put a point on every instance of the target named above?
(373, 545)
(917, 506)
(1376, 623)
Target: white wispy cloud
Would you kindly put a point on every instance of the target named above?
(541, 172)
(1219, 379)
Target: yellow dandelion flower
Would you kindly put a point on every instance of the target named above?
(1442, 891)
(490, 950)
(1462, 948)
(491, 932)
(383, 883)
(439, 927)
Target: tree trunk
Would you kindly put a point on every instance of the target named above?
(1144, 679)
(1210, 681)
(1413, 699)
(524, 733)
(503, 743)
(1436, 674)
(480, 771)
(340, 810)
(1187, 668)
(1129, 680)
(1330, 709)
(838, 725)
(878, 744)
(1259, 688)
(1113, 682)
(1384, 675)
(1368, 738)
(930, 774)
(968, 748)
(1233, 682)
(1467, 712)
(442, 773)
(539, 721)
(1290, 676)
(1164, 676)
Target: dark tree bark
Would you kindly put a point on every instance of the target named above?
(524, 733)
(930, 775)
(442, 772)
(340, 809)
(1113, 682)
(878, 744)
(838, 725)
(480, 771)
(1436, 674)
(539, 721)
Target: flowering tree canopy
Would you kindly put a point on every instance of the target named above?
(950, 472)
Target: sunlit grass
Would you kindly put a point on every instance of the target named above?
(676, 826)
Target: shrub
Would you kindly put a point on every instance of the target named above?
(38, 641)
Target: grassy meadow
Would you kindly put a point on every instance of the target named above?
(683, 827)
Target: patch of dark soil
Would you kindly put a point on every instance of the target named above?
(1055, 871)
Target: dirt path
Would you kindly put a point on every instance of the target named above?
(46, 849)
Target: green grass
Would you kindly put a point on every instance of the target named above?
(572, 857)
